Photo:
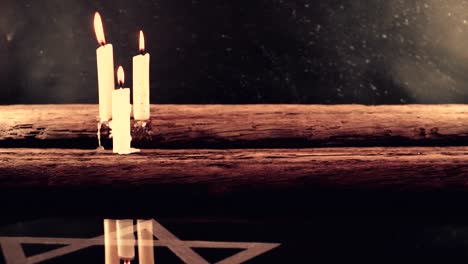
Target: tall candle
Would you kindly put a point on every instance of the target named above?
(125, 240)
(145, 242)
(105, 68)
(141, 80)
(110, 242)
(121, 109)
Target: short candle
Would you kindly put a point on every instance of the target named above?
(120, 125)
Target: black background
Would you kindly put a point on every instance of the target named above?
(226, 51)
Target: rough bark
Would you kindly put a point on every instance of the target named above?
(242, 126)
(226, 171)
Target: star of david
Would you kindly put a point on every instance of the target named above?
(14, 253)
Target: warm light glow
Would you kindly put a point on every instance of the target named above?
(142, 42)
(99, 29)
(120, 76)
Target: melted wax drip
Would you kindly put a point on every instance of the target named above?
(100, 147)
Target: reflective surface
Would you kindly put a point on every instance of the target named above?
(317, 239)
(119, 245)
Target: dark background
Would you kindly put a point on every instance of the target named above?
(237, 51)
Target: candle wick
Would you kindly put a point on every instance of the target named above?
(142, 52)
(103, 43)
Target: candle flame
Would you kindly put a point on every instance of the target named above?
(142, 42)
(120, 76)
(99, 29)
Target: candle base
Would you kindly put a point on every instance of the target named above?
(141, 123)
(142, 131)
(100, 122)
(127, 152)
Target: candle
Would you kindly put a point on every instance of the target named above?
(110, 242)
(121, 109)
(141, 99)
(145, 242)
(125, 240)
(105, 67)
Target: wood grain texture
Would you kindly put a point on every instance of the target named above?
(242, 126)
(226, 171)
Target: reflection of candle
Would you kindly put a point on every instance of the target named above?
(110, 242)
(125, 240)
(121, 110)
(141, 99)
(145, 242)
(105, 67)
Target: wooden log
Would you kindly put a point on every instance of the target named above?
(228, 171)
(242, 126)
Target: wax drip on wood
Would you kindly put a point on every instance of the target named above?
(99, 125)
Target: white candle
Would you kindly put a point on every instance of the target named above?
(141, 80)
(145, 242)
(125, 239)
(110, 242)
(105, 67)
(120, 125)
